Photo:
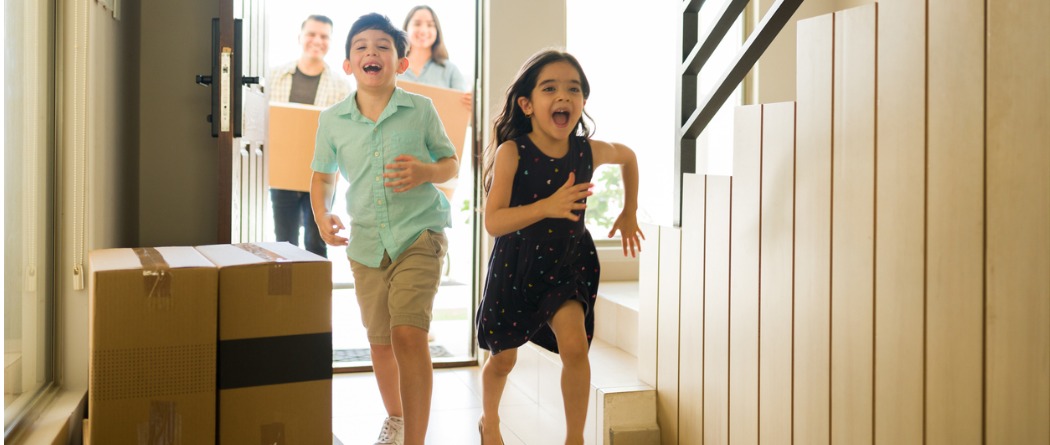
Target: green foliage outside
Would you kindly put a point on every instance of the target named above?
(605, 204)
(602, 207)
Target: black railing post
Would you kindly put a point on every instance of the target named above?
(693, 121)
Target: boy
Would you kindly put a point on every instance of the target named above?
(392, 148)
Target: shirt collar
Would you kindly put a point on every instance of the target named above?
(399, 99)
(289, 69)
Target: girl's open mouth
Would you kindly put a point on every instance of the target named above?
(561, 118)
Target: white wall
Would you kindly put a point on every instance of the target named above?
(515, 30)
(775, 73)
(102, 151)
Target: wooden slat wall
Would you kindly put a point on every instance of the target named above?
(648, 303)
(743, 276)
(955, 226)
(691, 332)
(716, 312)
(877, 270)
(852, 226)
(667, 325)
(777, 248)
(812, 403)
(1017, 361)
(899, 222)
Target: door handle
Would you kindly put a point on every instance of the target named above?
(225, 82)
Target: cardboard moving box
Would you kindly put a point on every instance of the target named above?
(292, 133)
(275, 344)
(152, 340)
(454, 117)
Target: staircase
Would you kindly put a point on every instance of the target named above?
(875, 269)
(622, 408)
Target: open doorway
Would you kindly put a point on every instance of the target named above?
(452, 340)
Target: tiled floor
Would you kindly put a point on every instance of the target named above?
(358, 411)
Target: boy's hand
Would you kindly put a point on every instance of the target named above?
(629, 232)
(407, 172)
(329, 226)
(564, 200)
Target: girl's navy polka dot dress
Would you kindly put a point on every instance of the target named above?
(535, 270)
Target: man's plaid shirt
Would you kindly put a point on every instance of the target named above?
(330, 88)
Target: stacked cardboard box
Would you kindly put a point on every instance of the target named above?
(227, 343)
(275, 344)
(152, 364)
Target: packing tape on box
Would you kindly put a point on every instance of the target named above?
(164, 426)
(260, 361)
(280, 273)
(156, 276)
(272, 434)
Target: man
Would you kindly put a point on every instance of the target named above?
(307, 80)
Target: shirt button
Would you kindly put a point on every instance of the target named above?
(380, 202)
(382, 226)
(376, 154)
(378, 178)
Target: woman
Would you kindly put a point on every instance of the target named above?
(427, 56)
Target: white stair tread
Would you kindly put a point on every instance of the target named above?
(611, 367)
(623, 293)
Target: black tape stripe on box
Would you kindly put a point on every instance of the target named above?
(274, 360)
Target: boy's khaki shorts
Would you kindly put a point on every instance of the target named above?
(400, 292)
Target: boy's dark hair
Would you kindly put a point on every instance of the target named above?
(317, 18)
(512, 122)
(378, 22)
(438, 52)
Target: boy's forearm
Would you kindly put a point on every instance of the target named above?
(321, 193)
(444, 169)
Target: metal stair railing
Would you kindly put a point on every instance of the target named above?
(695, 53)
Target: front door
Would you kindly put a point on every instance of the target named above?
(238, 120)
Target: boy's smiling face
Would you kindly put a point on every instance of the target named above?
(373, 60)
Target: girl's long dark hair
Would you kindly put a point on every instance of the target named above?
(438, 52)
(512, 122)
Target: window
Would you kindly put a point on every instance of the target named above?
(628, 54)
(28, 187)
(632, 59)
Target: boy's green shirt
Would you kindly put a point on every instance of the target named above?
(359, 149)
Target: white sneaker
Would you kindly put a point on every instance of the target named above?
(393, 432)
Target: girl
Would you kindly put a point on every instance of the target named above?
(543, 273)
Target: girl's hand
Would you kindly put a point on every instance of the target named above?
(407, 172)
(329, 226)
(629, 232)
(563, 202)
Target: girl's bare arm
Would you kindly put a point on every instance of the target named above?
(501, 219)
(626, 223)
